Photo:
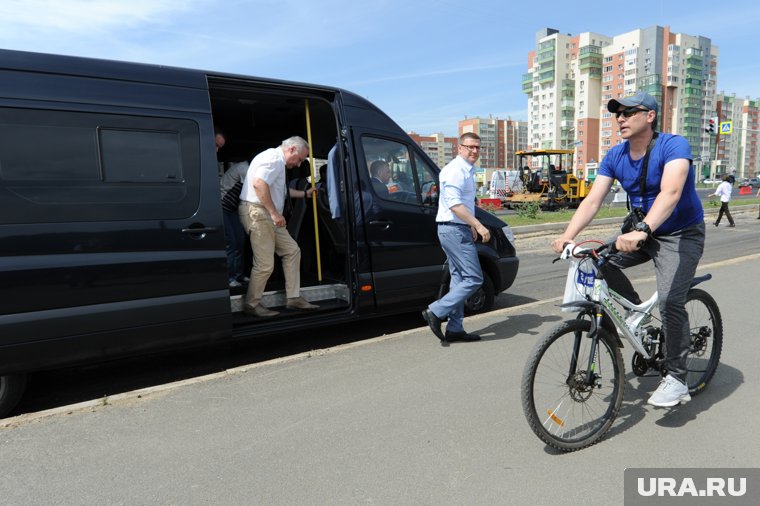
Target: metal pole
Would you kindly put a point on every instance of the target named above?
(314, 193)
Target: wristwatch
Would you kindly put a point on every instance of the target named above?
(643, 227)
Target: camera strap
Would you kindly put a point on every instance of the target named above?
(644, 167)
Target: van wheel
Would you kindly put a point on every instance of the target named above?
(12, 387)
(482, 300)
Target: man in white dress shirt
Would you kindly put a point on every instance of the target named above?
(262, 202)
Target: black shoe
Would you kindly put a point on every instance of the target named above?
(434, 323)
(461, 336)
(731, 225)
(716, 223)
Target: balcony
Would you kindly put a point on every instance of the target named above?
(546, 77)
(545, 57)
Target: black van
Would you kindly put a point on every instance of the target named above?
(111, 235)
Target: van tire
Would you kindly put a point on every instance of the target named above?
(12, 387)
(482, 300)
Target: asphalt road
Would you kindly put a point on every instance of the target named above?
(538, 279)
(394, 420)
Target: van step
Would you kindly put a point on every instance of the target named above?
(311, 293)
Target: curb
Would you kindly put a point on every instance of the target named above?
(547, 227)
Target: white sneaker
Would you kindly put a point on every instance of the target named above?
(670, 392)
(234, 283)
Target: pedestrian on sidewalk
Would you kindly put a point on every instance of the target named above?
(458, 229)
(724, 192)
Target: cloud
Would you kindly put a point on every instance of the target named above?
(81, 16)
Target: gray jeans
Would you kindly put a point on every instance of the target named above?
(675, 258)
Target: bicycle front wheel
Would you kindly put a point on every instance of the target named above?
(706, 333)
(563, 409)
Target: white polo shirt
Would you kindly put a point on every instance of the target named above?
(268, 166)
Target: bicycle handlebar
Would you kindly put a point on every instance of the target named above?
(598, 254)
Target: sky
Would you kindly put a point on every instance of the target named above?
(428, 64)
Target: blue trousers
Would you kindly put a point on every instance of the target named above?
(235, 237)
(466, 275)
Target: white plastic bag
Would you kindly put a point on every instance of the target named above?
(579, 284)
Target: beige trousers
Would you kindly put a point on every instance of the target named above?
(266, 241)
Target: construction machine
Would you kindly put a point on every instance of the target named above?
(547, 179)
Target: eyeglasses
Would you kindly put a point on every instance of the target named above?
(471, 147)
(631, 111)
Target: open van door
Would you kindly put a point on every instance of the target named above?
(400, 228)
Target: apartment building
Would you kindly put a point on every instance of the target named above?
(490, 132)
(739, 149)
(439, 148)
(570, 79)
(499, 138)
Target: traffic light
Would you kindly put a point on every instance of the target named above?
(712, 125)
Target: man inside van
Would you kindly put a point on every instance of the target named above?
(381, 175)
(262, 202)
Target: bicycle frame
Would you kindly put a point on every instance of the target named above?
(605, 297)
(601, 302)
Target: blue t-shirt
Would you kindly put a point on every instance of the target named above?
(617, 164)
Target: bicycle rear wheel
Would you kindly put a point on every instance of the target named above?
(706, 331)
(561, 409)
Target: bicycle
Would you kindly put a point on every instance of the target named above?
(573, 381)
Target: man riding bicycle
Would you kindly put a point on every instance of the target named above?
(672, 233)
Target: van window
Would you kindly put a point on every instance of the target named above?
(404, 184)
(58, 166)
(131, 156)
(428, 180)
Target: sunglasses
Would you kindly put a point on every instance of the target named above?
(630, 112)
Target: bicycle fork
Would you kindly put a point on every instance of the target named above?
(590, 379)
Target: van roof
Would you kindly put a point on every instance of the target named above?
(124, 70)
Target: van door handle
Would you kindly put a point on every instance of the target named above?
(199, 232)
(385, 224)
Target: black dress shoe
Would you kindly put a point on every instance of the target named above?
(461, 336)
(434, 323)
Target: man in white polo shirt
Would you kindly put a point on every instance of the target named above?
(262, 201)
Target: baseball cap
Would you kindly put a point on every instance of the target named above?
(640, 98)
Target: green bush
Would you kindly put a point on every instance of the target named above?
(529, 210)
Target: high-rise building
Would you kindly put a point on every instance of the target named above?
(439, 148)
(499, 140)
(570, 79)
(739, 149)
(488, 131)
(515, 139)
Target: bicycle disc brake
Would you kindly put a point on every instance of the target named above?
(699, 341)
(580, 391)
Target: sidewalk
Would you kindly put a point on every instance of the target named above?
(395, 420)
